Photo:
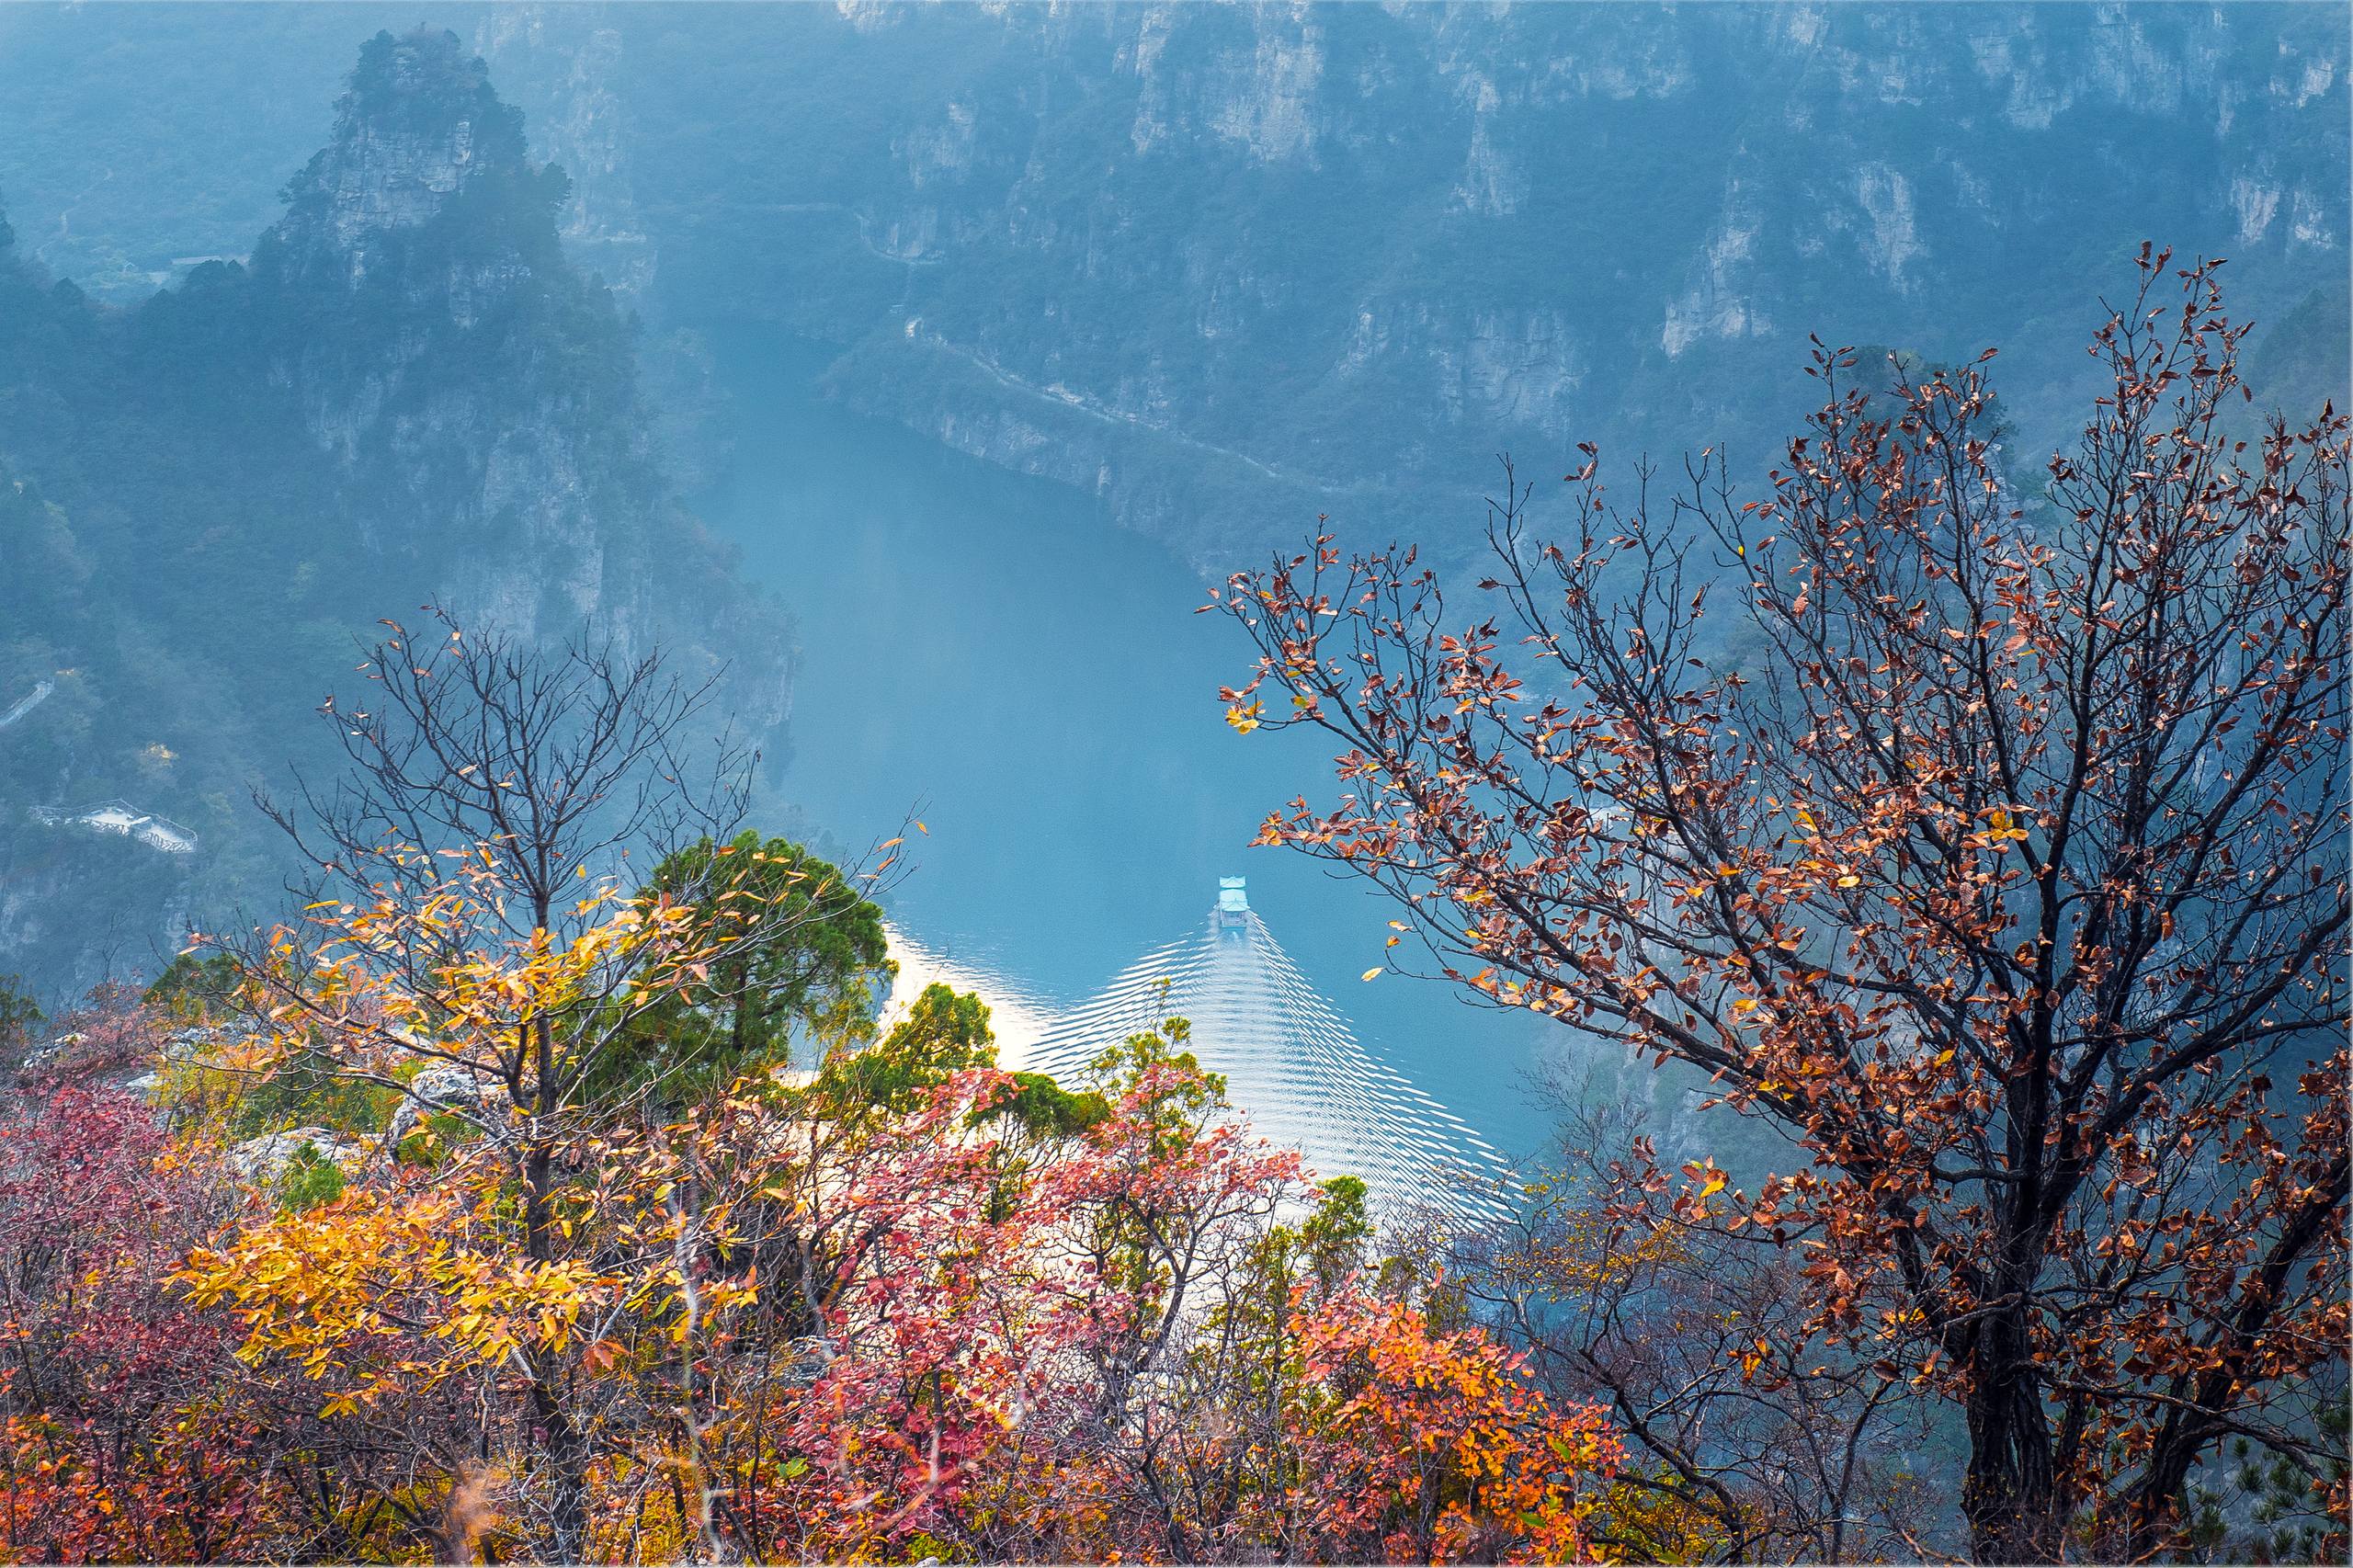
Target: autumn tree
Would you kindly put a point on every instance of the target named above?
(1751, 1437)
(2006, 874)
(122, 1435)
(1126, 1347)
(549, 762)
(978, 1281)
(468, 946)
(1415, 1444)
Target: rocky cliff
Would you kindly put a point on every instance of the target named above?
(475, 391)
(1233, 265)
(407, 392)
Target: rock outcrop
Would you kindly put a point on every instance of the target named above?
(263, 1160)
(482, 1101)
(475, 391)
(407, 392)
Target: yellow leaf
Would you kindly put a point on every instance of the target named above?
(1850, 881)
(1371, 973)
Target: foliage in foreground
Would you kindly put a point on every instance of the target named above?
(906, 1306)
(2001, 872)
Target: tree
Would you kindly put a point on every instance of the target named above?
(20, 1020)
(193, 986)
(915, 1306)
(1757, 1440)
(120, 1435)
(466, 929)
(549, 767)
(943, 1033)
(804, 951)
(2010, 880)
(1417, 1445)
(463, 1281)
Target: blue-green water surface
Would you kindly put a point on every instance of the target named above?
(990, 654)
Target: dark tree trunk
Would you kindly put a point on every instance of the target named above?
(567, 1445)
(567, 1462)
(2010, 1497)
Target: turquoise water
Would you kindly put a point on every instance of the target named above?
(988, 653)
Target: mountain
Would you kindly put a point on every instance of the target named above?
(404, 392)
(1230, 267)
(474, 393)
(1226, 268)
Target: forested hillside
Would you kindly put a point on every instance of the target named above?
(404, 393)
(1231, 265)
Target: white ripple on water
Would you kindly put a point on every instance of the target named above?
(1018, 1016)
(1291, 1064)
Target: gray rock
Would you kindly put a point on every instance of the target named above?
(481, 1099)
(264, 1160)
(806, 1359)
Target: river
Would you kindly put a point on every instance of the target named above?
(989, 653)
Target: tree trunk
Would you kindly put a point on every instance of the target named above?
(567, 1462)
(2010, 1497)
(567, 1445)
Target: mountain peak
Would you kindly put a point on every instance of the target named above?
(426, 73)
(418, 130)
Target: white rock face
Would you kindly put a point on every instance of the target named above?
(264, 1160)
(393, 182)
(1892, 242)
(1492, 184)
(481, 1101)
(1855, 170)
(583, 128)
(2256, 203)
(1150, 126)
(1714, 304)
(941, 149)
(1271, 107)
(2310, 225)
